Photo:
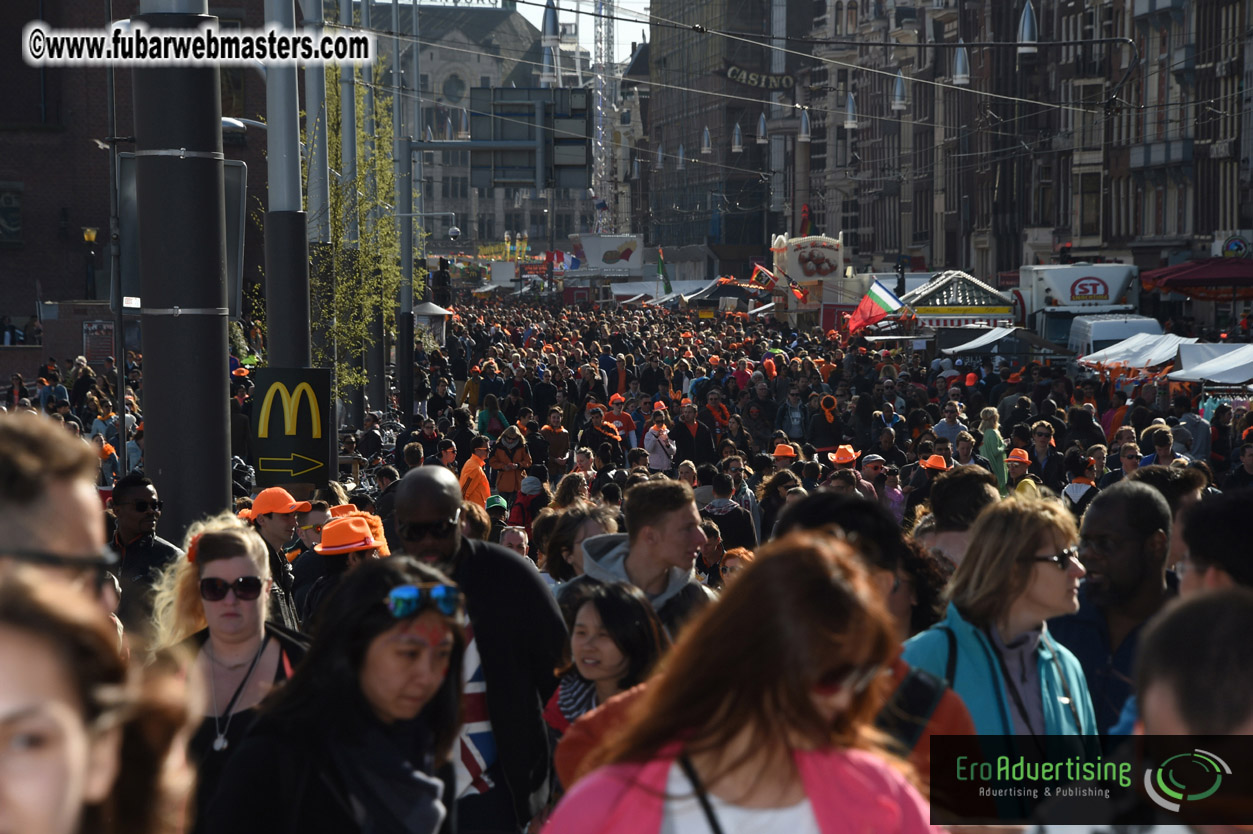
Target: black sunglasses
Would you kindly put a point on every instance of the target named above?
(142, 506)
(415, 531)
(408, 600)
(246, 588)
(1063, 559)
(93, 568)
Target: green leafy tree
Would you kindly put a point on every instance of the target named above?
(349, 285)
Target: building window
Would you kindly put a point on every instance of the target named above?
(1089, 204)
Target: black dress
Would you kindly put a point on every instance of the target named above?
(209, 762)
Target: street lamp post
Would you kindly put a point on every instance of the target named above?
(89, 238)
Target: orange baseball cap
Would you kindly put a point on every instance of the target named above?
(784, 451)
(660, 406)
(1019, 455)
(277, 500)
(935, 462)
(346, 535)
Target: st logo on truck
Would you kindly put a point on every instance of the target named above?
(1090, 288)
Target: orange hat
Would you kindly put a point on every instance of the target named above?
(842, 454)
(784, 451)
(715, 360)
(935, 462)
(1016, 376)
(240, 372)
(345, 535)
(660, 406)
(342, 510)
(1019, 455)
(277, 500)
(617, 398)
(685, 401)
(972, 379)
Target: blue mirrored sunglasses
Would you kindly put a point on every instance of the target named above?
(408, 600)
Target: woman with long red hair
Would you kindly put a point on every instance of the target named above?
(763, 716)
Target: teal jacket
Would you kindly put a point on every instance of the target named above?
(978, 680)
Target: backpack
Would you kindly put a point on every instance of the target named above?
(495, 425)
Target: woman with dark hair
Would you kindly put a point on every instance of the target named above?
(86, 745)
(737, 434)
(615, 641)
(563, 552)
(354, 741)
(787, 748)
(772, 495)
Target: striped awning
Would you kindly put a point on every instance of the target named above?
(962, 321)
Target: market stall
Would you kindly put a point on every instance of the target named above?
(955, 298)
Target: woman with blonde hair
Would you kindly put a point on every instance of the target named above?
(215, 603)
(790, 747)
(993, 446)
(1022, 568)
(571, 491)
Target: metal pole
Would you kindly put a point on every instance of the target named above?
(404, 204)
(179, 187)
(115, 262)
(286, 235)
(348, 171)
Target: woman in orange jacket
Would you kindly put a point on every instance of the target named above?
(510, 460)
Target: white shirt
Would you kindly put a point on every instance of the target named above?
(683, 813)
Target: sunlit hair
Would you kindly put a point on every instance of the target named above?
(571, 489)
(804, 609)
(997, 568)
(742, 553)
(178, 611)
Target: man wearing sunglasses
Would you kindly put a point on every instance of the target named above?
(307, 564)
(50, 515)
(142, 554)
(1124, 540)
(516, 640)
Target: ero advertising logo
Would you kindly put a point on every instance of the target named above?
(1185, 777)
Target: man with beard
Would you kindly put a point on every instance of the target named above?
(1123, 543)
(516, 639)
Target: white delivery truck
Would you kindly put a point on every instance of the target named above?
(1050, 298)
(1088, 334)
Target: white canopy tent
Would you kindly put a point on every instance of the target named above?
(987, 339)
(1143, 350)
(1234, 367)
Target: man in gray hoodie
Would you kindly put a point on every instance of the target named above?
(657, 553)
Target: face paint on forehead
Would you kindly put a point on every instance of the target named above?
(428, 633)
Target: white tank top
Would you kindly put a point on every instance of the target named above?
(683, 813)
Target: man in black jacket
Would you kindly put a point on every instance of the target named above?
(142, 552)
(734, 522)
(692, 439)
(518, 638)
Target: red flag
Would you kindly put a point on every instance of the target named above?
(802, 294)
(866, 314)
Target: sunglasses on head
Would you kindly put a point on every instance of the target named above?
(144, 506)
(246, 588)
(416, 531)
(408, 600)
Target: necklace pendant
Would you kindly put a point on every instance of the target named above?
(220, 743)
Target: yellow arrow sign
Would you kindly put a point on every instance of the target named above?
(293, 464)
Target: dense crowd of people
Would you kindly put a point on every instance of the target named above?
(624, 571)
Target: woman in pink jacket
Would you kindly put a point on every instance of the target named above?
(763, 718)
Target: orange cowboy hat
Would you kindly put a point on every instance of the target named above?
(783, 450)
(936, 462)
(346, 535)
(1018, 455)
(843, 454)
